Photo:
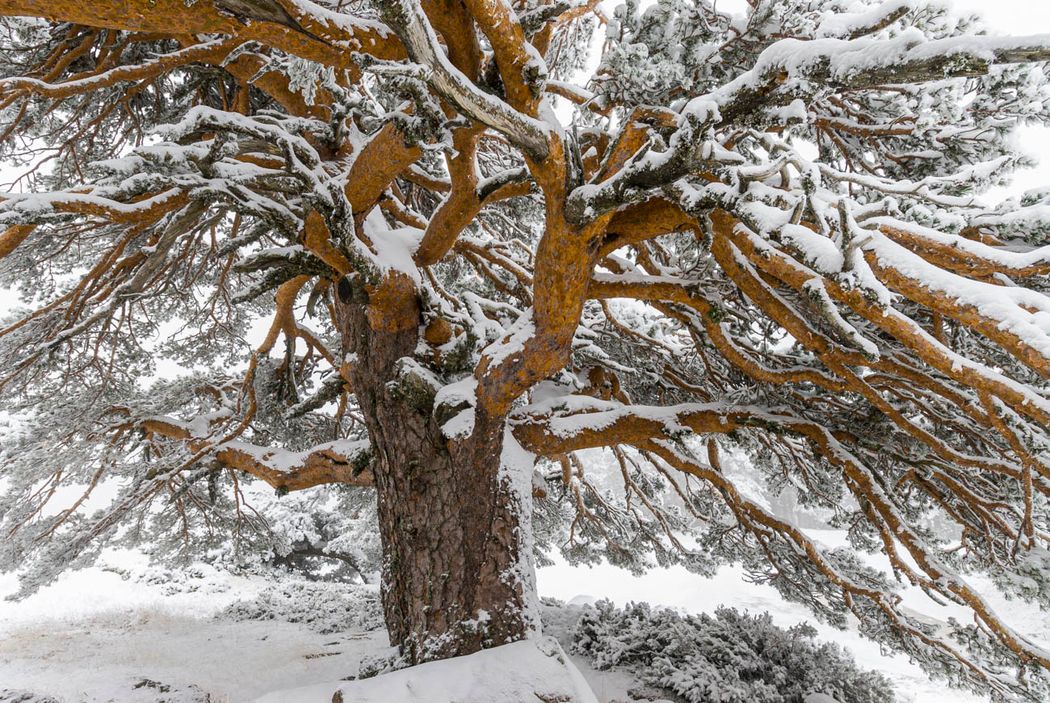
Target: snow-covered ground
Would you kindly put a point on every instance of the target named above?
(523, 671)
(92, 635)
(95, 633)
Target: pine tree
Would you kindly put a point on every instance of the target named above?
(410, 249)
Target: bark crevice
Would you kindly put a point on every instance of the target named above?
(450, 521)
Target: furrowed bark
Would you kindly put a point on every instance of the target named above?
(453, 525)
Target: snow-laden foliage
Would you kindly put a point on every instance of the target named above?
(728, 657)
(320, 606)
(755, 234)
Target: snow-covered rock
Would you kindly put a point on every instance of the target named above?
(527, 671)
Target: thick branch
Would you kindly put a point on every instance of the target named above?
(412, 25)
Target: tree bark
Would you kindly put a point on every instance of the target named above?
(454, 527)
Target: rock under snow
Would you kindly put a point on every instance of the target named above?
(527, 671)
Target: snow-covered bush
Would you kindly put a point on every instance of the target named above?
(728, 657)
(328, 534)
(323, 607)
(193, 578)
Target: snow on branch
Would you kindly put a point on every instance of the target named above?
(339, 461)
(571, 423)
(788, 66)
(413, 26)
(853, 25)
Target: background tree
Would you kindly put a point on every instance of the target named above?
(755, 231)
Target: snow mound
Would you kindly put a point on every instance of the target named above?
(528, 671)
(9, 696)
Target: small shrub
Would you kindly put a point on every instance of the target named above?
(730, 657)
(323, 607)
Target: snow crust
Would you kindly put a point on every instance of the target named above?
(842, 59)
(520, 333)
(347, 23)
(461, 393)
(285, 460)
(530, 670)
(839, 24)
(394, 247)
(516, 468)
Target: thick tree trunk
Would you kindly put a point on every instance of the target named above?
(454, 524)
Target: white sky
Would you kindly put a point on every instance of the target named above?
(1011, 16)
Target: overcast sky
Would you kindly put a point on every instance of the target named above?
(1013, 16)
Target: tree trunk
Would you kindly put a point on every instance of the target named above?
(454, 525)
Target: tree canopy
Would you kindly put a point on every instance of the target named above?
(288, 243)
